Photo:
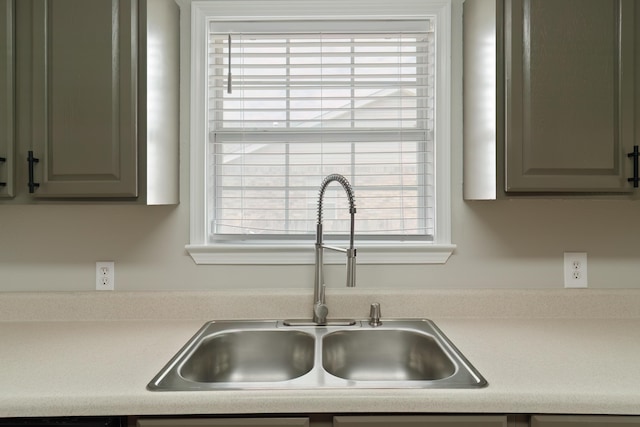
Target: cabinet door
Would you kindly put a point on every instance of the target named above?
(584, 421)
(84, 95)
(224, 422)
(7, 139)
(421, 421)
(569, 95)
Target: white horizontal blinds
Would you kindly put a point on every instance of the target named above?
(307, 104)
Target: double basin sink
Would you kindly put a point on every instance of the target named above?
(270, 354)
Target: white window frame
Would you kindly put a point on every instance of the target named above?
(285, 253)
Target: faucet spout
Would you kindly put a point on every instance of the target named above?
(320, 309)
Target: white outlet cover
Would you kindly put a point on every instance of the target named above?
(105, 275)
(575, 270)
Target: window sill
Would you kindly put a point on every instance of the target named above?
(281, 254)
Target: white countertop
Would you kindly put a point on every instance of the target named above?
(534, 365)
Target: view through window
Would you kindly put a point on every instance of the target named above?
(287, 108)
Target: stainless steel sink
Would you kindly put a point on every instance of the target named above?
(250, 356)
(385, 355)
(232, 355)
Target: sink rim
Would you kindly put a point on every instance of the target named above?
(465, 375)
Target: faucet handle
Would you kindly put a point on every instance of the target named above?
(321, 312)
(320, 309)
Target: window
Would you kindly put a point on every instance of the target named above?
(293, 93)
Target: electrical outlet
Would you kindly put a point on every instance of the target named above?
(105, 276)
(575, 270)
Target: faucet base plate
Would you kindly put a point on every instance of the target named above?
(329, 322)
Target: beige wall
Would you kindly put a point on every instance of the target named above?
(504, 244)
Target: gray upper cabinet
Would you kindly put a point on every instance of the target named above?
(84, 96)
(7, 64)
(557, 112)
(569, 94)
(86, 125)
(83, 99)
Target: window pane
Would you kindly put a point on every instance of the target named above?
(304, 106)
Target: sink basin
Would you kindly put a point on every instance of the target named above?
(269, 354)
(385, 355)
(250, 356)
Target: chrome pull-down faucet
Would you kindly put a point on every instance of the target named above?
(320, 309)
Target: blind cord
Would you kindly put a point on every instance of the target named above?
(229, 72)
